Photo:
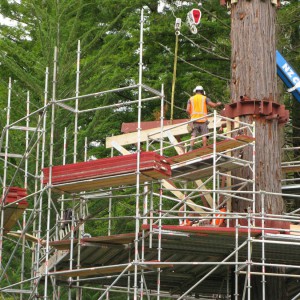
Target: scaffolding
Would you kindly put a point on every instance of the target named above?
(153, 256)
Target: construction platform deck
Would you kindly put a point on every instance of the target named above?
(121, 170)
(199, 163)
(188, 253)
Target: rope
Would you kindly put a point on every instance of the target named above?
(180, 108)
(177, 33)
(206, 49)
(201, 69)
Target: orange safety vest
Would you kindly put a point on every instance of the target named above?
(220, 221)
(198, 108)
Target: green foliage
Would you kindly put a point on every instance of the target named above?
(109, 34)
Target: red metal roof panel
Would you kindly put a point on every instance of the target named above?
(108, 172)
(15, 211)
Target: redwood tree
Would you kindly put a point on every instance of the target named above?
(253, 67)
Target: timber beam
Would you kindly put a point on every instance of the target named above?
(265, 109)
(152, 129)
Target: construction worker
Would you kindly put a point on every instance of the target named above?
(197, 108)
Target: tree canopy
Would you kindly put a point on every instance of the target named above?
(109, 34)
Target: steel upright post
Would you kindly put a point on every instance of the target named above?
(249, 260)
(23, 254)
(137, 208)
(43, 150)
(214, 167)
(50, 173)
(159, 248)
(236, 275)
(79, 245)
(27, 140)
(263, 254)
(76, 103)
(62, 206)
(71, 247)
(35, 212)
(110, 204)
(177, 33)
(85, 148)
(162, 118)
(45, 117)
(4, 192)
(25, 186)
(253, 172)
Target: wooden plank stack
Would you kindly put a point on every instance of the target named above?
(107, 172)
(13, 212)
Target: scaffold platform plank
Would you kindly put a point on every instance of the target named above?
(290, 168)
(107, 270)
(198, 163)
(28, 237)
(107, 172)
(118, 239)
(203, 167)
(13, 212)
(210, 229)
(221, 146)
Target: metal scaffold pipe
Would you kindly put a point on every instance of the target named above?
(76, 103)
(4, 191)
(51, 153)
(153, 234)
(177, 33)
(137, 206)
(39, 200)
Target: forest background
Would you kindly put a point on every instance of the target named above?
(109, 32)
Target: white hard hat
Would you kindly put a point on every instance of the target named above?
(198, 88)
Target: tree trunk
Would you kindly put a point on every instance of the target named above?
(296, 129)
(253, 67)
(253, 58)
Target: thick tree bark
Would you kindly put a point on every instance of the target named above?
(267, 167)
(253, 66)
(253, 58)
(296, 128)
(254, 74)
